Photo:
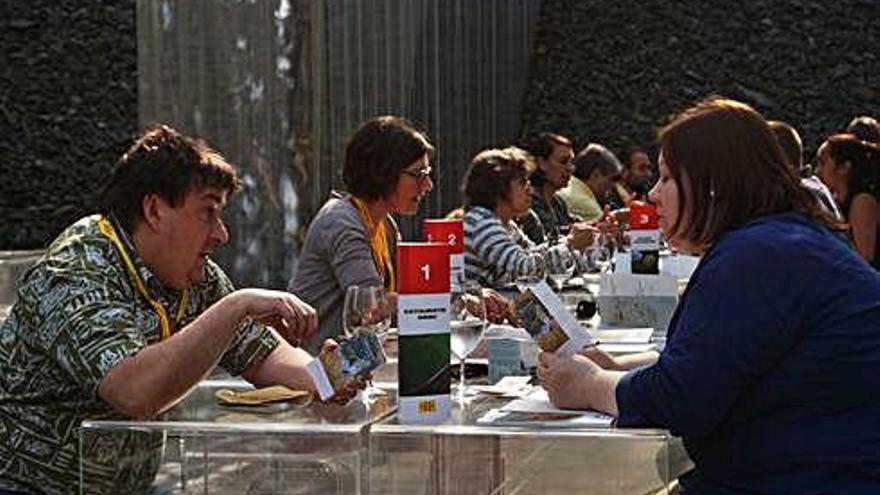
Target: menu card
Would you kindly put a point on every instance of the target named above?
(544, 316)
(423, 332)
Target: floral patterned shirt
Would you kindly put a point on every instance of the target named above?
(77, 315)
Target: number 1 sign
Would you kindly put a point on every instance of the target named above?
(423, 324)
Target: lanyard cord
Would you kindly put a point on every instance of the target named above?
(106, 228)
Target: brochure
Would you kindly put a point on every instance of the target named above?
(543, 315)
(354, 357)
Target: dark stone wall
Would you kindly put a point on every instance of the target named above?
(605, 69)
(68, 109)
(601, 70)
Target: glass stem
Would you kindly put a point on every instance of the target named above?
(461, 380)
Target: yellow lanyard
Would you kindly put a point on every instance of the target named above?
(378, 244)
(106, 228)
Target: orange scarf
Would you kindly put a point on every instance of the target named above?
(378, 243)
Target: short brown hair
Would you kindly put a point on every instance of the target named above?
(725, 154)
(165, 163)
(487, 181)
(596, 157)
(378, 152)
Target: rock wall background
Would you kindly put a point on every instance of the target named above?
(600, 70)
(604, 70)
(68, 109)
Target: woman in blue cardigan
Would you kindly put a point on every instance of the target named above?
(770, 369)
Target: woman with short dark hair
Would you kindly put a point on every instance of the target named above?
(352, 239)
(496, 191)
(771, 355)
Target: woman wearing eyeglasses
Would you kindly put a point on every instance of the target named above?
(496, 190)
(352, 239)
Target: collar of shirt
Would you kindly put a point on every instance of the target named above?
(156, 288)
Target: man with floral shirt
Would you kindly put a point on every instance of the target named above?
(125, 314)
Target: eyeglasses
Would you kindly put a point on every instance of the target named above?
(420, 175)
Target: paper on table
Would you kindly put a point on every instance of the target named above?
(623, 335)
(568, 419)
(509, 386)
(626, 348)
(538, 402)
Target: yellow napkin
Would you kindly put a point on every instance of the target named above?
(260, 396)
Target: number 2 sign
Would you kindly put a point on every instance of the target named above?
(451, 233)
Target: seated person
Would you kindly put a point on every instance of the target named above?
(851, 169)
(125, 314)
(595, 171)
(792, 147)
(549, 220)
(496, 190)
(770, 359)
(636, 180)
(352, 239)
(865, 128)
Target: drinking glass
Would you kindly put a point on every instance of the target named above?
(366, 314)
(467, 322)
(598, 255)
(559, 264)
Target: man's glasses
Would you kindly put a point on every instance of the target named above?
(420, 175)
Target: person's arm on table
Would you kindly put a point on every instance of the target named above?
(286, 365)
(588, 380)
(625, 362)
(575, 382)
(149, 382)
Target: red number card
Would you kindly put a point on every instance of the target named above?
(450, 232)
(422, 268)
(643, 216)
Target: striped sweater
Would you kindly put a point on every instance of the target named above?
(496, 254)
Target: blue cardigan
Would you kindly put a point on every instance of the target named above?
(771, 373)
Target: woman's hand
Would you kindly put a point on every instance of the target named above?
(498, 307)
(575, 382)
(601, 358)
(581, 235)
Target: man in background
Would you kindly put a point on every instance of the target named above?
(549, 219)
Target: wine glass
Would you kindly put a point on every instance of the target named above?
(559, 264)
(598, 255)
(366, 315)
(466, 323)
